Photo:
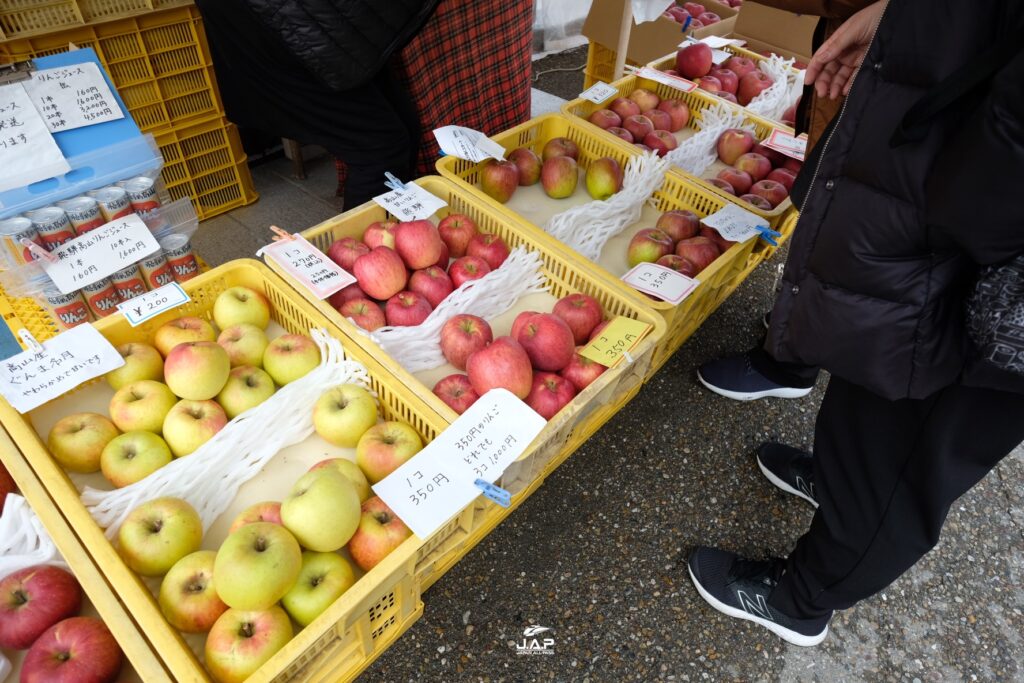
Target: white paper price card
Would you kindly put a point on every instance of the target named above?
(466, 143)
(35, 376)
(785, 142)
(720, 56)
(661, 282)
(599, 92)
(309, 265)
(437, 482)
(70, 97)
(98, 253)
(151, 304)
(735, 224)
(676, 82)
(28, 152)
(717, 42)
(410, 203)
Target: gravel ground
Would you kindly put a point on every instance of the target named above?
(561, 73)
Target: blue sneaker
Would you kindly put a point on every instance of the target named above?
(734, 377)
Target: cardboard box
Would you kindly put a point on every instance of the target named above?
(767, 29)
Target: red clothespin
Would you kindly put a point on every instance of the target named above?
(281, 235)
(38, 251)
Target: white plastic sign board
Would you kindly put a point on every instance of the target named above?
(410, 203)
(154, 302)
(98, 253)
(466, 143)
(309, 265)
(599, 92)
(28, 152)
(37, 375)
(70, 97)
(735, 224)
(661, 77)
(661, 282)
(438, 482)
(785, 142)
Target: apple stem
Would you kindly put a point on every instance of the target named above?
(247, 630)
(20, 597)
(261, 544)
(64, 656)
(382, 517)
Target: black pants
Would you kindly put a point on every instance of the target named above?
(886, 473)
(787, 374)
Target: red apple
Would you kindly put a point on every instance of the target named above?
(727, 78)
(775, 192)
(76, 650)
(709, 83)
(774, 156)
(694, 8)
(784, 176)
(757, 201)
(457, 392)
(647, 246)
(461, 336)
(442, 261)
(345, 251)
(679, 114)
(622, 133)
(581, 313)
(752, 85)
(661, 119)
(696, 24)
(605, 118)
(661, 141)
(678, 264)
(645, 99)
(528, 163)
(34, 599)
(499, 179)
(467, 268)
(407, 309)
(740, 181)
(694, 61)
(789, 116)
(380, 531)
(560, 147)
(433, 284)
(520, 321)
(549, 394)
(581, 372)
(671, 72)
(793, 165)
(504, 364)
(624, 107)
(346, 294)
(418, 243)
(756, 165)
(734, 143)
(700, 250)
(364, 312)
(727, 96)
(678, 14)
(643, 148)
(723, 244)
(722, 185)
(548, 341)
(678, 224)
(708, 18)
(597, 330)
(381, 273)
(380, 234)
(6, 485)
(638, 126)
(456, 230)
(740, 66)
(559, 176)
(490, 247)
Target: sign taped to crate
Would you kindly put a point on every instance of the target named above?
(615, 342)
(788, 144)
(151, 304)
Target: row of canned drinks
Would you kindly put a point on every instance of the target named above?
(175, 262)
(52, 226)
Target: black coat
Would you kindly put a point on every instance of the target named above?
(890, 237)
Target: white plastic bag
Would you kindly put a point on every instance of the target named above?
(23, 540)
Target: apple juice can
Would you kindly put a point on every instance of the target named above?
(156, 271)
(179, 255)
(129, 282)
(113, 202)
(141, 193)
(12, 231)
(83, 212)
(53, 225)
(68, 310)
(102, 298)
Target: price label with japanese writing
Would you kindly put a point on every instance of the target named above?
(466, 143)
(616, 341)
(438, 482)
(74, 96)
(98, 253)
(661, 282)
(735, 224)
(720, 56)
(717, 42)
(785, 142)
(309, 265)
(599, 92)
(410, 203)
(28, 152)
(676, 82)
(33, 377)
(151, 304)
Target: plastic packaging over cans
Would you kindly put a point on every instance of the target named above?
(83, 212)
(113, 202)
(141, 193)
(129, 282)
(102, 298)
(12, 231)
(179, 255)
(68, 310)
(156, 271)
(53, 225)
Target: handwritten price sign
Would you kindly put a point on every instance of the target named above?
(616, 341)
(101, 252)
(151, 304)
(661, 282)
(309, 265)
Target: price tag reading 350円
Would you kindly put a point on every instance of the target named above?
(615, 341)
(661, 282)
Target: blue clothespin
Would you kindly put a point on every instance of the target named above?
(393, 182)
(494, 493)
(686, 24)
(768, 235)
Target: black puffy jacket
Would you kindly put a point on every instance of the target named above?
(890, 237)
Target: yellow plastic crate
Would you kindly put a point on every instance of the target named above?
(137, 651)
(600, 66)
(361, 624)
(24, 18)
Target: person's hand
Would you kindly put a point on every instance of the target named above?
(832, 67)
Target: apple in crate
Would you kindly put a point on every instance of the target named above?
(384, 447)
(734, 143)
(157, 534)
(604, 178)
(784, 176)
(694, 8)
(242, 641)
(269, 511)
(581, 371)
(244, 343)
(133, 456)
(698, 250)
(740, 66)
(621, 133)
(141, 361)
(549, 394)
(727, 96)
(647, 246)
(197, 370)
(321, 510)
(660, 119)
(638, 126)
(756, 165)
(490, 247)
(597, 330)
(752, 85)
(323, 578)
(380, 234)
(246, 388)
(739, 181)
(457, 230)
(605, 118)
(338, 299)
(645, 99)
(548, 342)
(504, 364)
(624, 107)
(342, 414)
(757, 201)
(709, 83)
(345, 251)
(241, 305)
(380, 532)
(499, 179)
(190, 424)
(418, 243)
(290, 357)
(581, 313)
(560, 147)
(181, 330)
(774, 192)
(407, 309)
(678, 112)
(364, 312)
(528, 163)
(520, 321)
(661, 141)
(723, 244)
(772, 155)
(77, 441)
(466, 269)
(793, 165)
(678, 224)
(722, 185)
(694, 61)
(431, 283)
(381, 273)
(461, 336)
(729, 80)
(351, 471)
(32, 600)
(559, 176)
(187, 597)
(256, 565)
(6, 485)
(456, 391)
(678, 264)
(75, 650)
(142, 405)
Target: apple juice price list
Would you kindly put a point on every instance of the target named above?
(308, 265)
(72, 97)
(439, 481)
(99, 253)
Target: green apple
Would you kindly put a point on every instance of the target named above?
(244, 343)
(132, 457)
(246, 388)
(77, 441)
(187, 597)
(290, 357)
(322, 580)
(384, 447)
(181, 330)
(241, 642)
(351, 471)
(142, 406)
(190, 424)
(269, 511)
(343, 414)
(256, 566)
(157, 534)
(241, 305)
(141, 361)
(322, 510)
(380, 532)
(197, 370)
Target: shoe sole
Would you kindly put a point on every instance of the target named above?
(783, 485)
(782, 632)
(783, 392)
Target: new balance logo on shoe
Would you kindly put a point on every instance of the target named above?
(807, 488)
(759, 609)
